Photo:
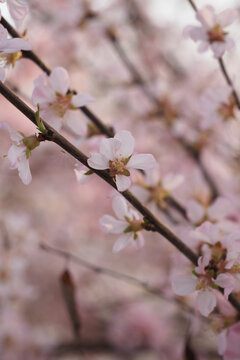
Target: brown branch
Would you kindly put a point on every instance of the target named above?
(137, 77)
(53, 135)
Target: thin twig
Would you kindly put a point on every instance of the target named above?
(116, 275)
(99, 124)
(138, 79)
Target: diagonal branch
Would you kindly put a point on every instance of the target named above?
(54, 136)
(138, 78)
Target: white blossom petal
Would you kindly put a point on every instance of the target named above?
(219, 209)
(17, 10)
(15, 152)
(227, 282)
(127, 143)
(195, 211)
(123, 182)
(144, 162)
(14, 135)
(109, 147)
(122, 242)
(196, 33)
(80, 100)
(222, 342)
(172, 181)
(227, 17)
(184, 285)
(140, 240)
(75, 123)
(120, 207)
(98, 161)
(206, 301)
(207, 17)
(110, 225)
(24, 170)
(16, 44)
(59, 80)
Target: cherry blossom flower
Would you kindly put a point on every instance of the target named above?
(18, 10)
(10, 50)
(211, 32)
(153, 187)
(19, 152)
(217, 267)
(57, 105)
(128, 224)
(116, 155)
(217, 212)
(217, 105)
(186, 284)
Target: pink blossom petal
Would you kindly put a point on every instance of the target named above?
(220, 209)
(229, 44)
(227, 17)
(123, 182)
(24, 170)
(207, 232)
(195, 211)
(14, 135)
(127, 143)
(227, 282)
(196, 33)
(218, 49)
(141, 193)
(14, 153)
(42, 92)
(207, 17)
(144, 162)
(52, 119)
(16, 44)
(17, 10)
(222, 342)
(75, 123)
(80, 100)
(109, 147)
(98, 161)
(203, 46)
(59, 80)
(172, 181)
(203, 261)
(139, 241)
(122, 242)
(184, 284)
(206, 301)
(80, 175)
(120, 207)
(111, 225)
